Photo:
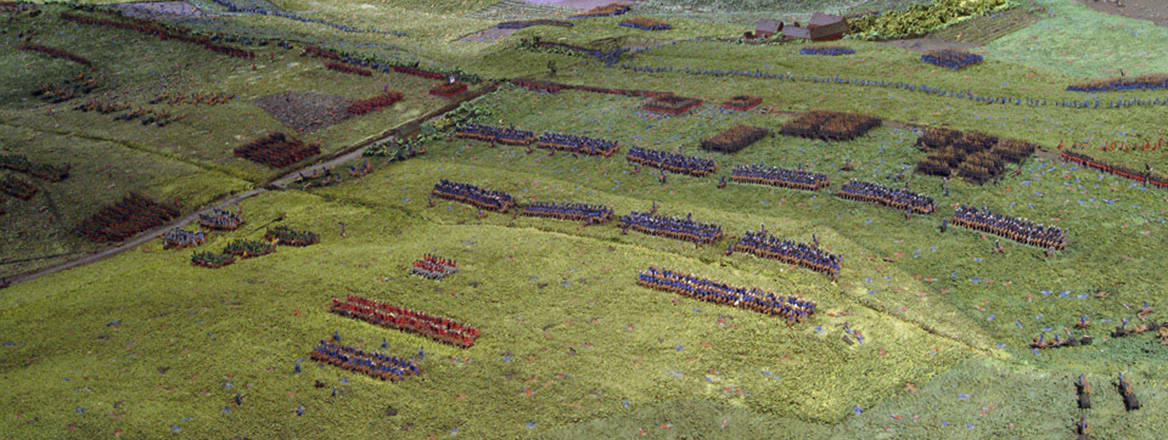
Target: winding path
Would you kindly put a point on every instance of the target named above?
(276, 184)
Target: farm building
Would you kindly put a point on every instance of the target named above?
(767, 28)
(823, 27)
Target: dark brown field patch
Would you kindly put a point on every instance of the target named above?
(305, 112)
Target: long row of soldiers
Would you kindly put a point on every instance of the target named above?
(883, 195)
(800, 254)
(1014, 228)
(767, 175)
(490, 200)
(583, 212)
(792, 307)
(672, 227)
(399, 318)
(578, 144)
(672, 162)
(506, 135)
(372, 364)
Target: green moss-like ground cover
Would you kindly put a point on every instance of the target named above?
(149, 346)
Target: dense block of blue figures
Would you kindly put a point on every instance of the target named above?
(672, 227)
(891, 197)
(827, 50)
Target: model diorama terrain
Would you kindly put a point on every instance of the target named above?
(253, 219)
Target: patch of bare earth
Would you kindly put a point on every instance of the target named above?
(305, 112)
(1154, 10)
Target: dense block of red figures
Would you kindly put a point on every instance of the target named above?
(277, 150)
(1145, 176)
(552, 87)
(17, 187)
(434, 267)
(375, 103)
(130, 216)
(742, 103)
(320, 53)
(735, 138)
(673, 105)
(410, 321)
(55, 53)
(349, 68)
(161, 31)
(418, 72)
(448, 89)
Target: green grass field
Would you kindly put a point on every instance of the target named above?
(145, 345)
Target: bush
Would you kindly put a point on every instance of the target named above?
(918, 20)
(285, 236)
(211, 259)
(249, 248)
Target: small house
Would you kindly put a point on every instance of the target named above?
(823, 27)
(767, 28)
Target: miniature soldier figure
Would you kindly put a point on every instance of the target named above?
(551, 65)
(1083, 428)
(998, 247)
(480, 216)
(297, 369)
(342, 224)
(944, 225)
(722, 183)
(1083, 322)
(1084, 391)
(299, 410)
(430, 199)
(945, 185)
(529, 149)
(421, 353)
(238, 398)
(815, 240)
(662, 178)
